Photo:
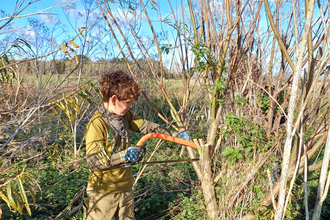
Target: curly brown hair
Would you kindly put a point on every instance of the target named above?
(120, 84)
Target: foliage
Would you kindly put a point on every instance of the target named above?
(264, 102)
(15, 196)
(7, 75)
(165, 48)
(248, 135)
(218, 86)
(203, 59)
(232, 154)
(192, 208)
(8, 57)
(58, 188)
(228, 61)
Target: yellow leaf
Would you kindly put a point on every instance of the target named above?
(51, 158)
(64, 109)
(58, 116)
(61, 105)
(153, 3)
(68, 109)
(75, 105)
(4, 197)
(62, 137)
(74, 44)
(63, 48)
(80, 31)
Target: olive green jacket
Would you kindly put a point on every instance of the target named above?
(103, 141)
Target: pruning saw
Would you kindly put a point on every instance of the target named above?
(163, 137)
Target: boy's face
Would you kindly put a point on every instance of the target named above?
(121, 107)
(118, 107)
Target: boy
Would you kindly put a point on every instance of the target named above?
(107, 136)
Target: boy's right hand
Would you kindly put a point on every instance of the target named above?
(131, 154)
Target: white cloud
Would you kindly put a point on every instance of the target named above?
(47, 18)
(216, 6)
(124, 15)
(31, 33)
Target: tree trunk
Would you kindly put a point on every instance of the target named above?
(292, 104)
(207, 181)
(323, 176)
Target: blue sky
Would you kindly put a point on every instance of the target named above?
(61, 23)
(63, 20)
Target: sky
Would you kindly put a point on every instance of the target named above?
(60, 21)
(61, 17)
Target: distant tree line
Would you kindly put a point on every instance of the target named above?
(89, 67)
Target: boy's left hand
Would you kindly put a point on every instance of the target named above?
(183, 135)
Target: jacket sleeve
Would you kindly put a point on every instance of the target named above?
(150, 127)
(98, 155)
(95, 161)
(137, 124)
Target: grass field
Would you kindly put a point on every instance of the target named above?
(56, 79)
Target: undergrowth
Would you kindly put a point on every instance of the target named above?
(165, 191)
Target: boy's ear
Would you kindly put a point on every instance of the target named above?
(112, 100)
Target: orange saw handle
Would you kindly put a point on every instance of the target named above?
(166, 138)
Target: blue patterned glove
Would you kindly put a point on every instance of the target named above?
(183, 135)
(132, 154)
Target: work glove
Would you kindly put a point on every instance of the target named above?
(131, 154)
(183, 135)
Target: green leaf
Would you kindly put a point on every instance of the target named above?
(96, 90)
(231, 159)
(165, 48)
(240, 156)
(25, 42)
(10, 195)
(90, 95)
(84, 96)
(19, 208)
(220, 101)
(24, 197)
(213, 90)
(275, 159)
(51, 158)
(5, 57)
(248, 149)
(32, 194)
(237, 151)
(228, 150)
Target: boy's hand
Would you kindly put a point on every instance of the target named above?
(183, 135)
(131, 154)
